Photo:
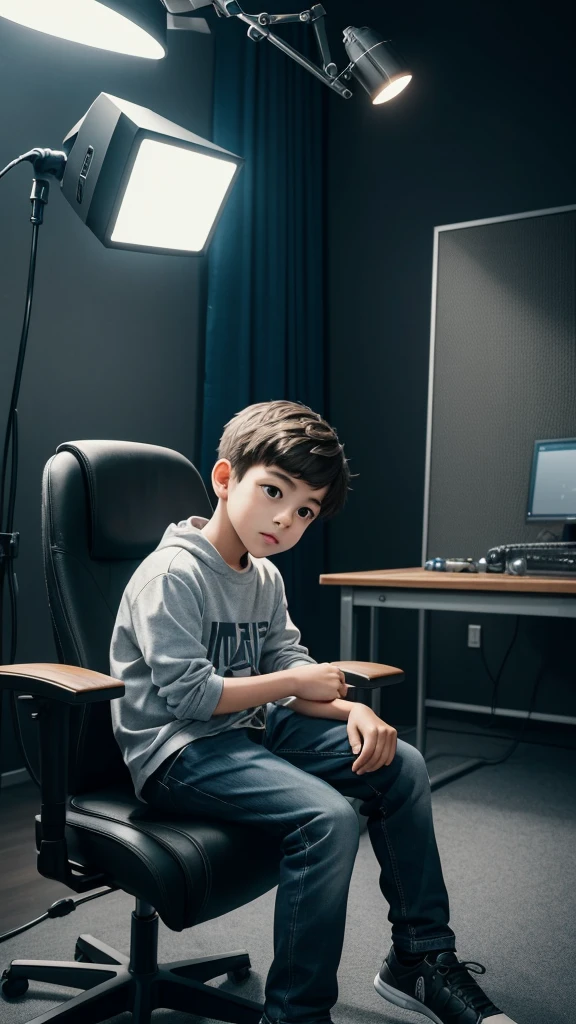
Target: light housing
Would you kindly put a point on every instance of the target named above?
(141, 182)
(134, 27)
(375, 64)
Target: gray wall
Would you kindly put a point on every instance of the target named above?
(504, 376)
(114, 349)
(484, 130)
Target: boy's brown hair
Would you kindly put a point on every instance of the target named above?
(280, 433)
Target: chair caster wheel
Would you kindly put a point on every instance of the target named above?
(80, 956)
(13, 988)
(240, 975)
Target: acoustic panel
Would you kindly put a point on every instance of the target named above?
(502, 375)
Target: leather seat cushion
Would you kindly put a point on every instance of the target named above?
(189, 869)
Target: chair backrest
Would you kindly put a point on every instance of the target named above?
(105, 507)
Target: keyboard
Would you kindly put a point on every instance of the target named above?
(543, 559)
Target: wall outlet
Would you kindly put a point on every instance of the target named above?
(474, 633)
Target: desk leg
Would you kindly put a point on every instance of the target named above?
(348, 632)
(374, 696)
(421, 691)
(465, 766)
(347, 637)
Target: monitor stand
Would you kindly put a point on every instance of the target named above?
(569, 532)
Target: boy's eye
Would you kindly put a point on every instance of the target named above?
(308, 511)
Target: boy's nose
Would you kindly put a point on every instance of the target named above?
(283, 519)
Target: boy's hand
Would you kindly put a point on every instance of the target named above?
(318, 682)
(377, 739)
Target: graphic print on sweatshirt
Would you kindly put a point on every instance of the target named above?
(234, 647)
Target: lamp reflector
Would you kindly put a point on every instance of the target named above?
(389, 91)
(172, 197)
(375, 64)
(92, 23)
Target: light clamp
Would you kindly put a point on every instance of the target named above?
(373, 62)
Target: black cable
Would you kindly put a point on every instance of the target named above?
(12, 424)
(20, 739)
(516, 742)
(61, 908)
(495, 682)
(12, 580)
(18, 160)
(486, 735)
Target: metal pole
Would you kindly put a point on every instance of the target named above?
(348, 632)
(421, 691)
(375, 695)
(346, 624)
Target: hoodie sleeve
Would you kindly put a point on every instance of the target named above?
(167, 621)
(282, 648)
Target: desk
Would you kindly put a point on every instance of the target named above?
(426, 591)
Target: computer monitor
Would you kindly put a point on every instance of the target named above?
(552, 495)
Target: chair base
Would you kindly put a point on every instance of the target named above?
(114, 984)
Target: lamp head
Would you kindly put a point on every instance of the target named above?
(375, 64)
(135, 27)
(139, 181)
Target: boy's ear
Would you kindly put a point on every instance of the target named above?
(221, 477)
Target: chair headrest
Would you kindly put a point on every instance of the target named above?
(135, 491)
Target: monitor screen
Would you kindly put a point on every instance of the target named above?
(553, 480)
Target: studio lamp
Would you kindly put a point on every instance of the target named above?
(135, 27)
(375, 64)
(138, 181)
(138, 27)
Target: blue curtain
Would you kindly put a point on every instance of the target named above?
(265, 333)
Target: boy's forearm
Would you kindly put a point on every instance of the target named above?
(249, 691)
(338, 708)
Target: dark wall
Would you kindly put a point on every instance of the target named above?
(485, 129)
(114, 345)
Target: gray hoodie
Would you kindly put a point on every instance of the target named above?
(186, 620)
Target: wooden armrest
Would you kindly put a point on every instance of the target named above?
(67, 683)
(369, 674)
(58, 687)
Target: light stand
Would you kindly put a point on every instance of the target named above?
(121, 168)
(45, 162)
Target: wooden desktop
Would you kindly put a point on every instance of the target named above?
(423, 591)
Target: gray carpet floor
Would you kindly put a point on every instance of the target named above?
(507, 839)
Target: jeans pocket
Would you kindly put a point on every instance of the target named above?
(168, 765)
(157, 790)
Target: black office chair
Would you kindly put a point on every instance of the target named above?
(105, 506)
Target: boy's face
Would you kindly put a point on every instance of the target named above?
(268, 509)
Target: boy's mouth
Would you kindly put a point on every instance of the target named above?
(271, 538)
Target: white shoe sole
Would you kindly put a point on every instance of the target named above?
(394, 995)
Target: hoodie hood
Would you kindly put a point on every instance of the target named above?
(187, 534)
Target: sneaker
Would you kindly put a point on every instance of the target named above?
(442, 990)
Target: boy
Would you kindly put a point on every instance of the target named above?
(212, 663)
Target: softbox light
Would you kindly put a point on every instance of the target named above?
(139, 181)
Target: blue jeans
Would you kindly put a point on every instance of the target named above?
(293, 784)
